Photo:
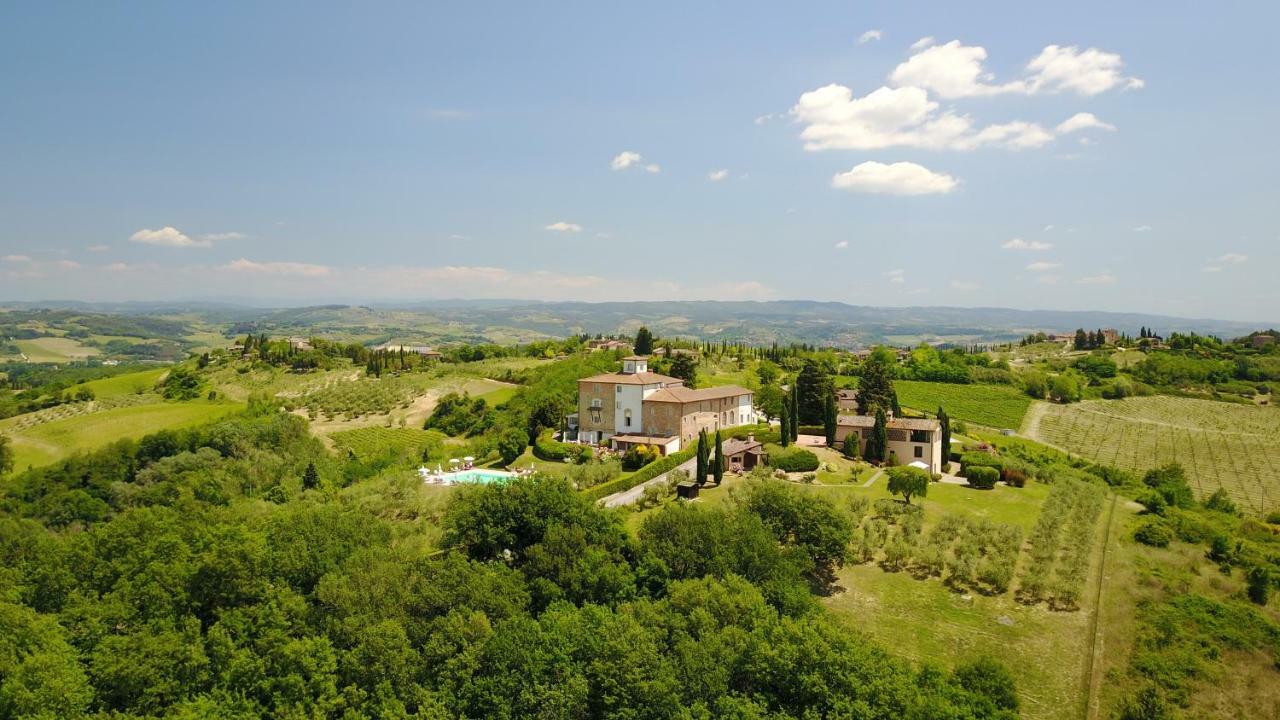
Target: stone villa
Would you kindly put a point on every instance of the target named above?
(638, 407)
(910, 439)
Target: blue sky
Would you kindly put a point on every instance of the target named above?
(303, 151)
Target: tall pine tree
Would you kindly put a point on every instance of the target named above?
(878, 443)
(829, 419)
(784, 435)
(717, 464)
(644, 341)
(701, 470)
(945, 421)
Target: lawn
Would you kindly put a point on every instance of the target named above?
(1221, 445)
(997, 406)
(54, 350)
(128, 384)
(52, 441)
(371, 442)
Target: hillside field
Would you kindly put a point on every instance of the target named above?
(997, 406)
(1221, 445)
(48, 442)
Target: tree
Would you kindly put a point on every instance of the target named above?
(813, 387)
(1082, 340)
(310, 477)
(700, 474)
(945, 421)
(875, 387)
(829, 420)
(908, 481)
(6, 456)
(784, 434)
(717, 464)
(850, 446)
(1259, 578)
(769, 399)
(878, 444)
(511, 444)
(795, 412)
(767, 372)
(644, 341)
(1065, 388)
(991, 680)
(685, 368)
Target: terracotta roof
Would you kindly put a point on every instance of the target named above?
(635, 357)
(681, 394)
(734, 446)
(643, 378)
(646, 439)
(893, 423)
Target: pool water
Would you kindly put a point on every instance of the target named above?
(483, 477)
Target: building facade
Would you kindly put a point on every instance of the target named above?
(910, 439)
(636, 406)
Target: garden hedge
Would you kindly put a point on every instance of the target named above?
(982, 477)
(551, 450)
(793, 459)
(644, 474)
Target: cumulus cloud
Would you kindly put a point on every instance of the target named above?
(1099, 279)
(625, 159)
(562, 226)
(16, 258)
(1020, 244)
(1086, 72)
(1082, 121)
(1043, 266)
(956, 70)
(868, 36)
(718, 175)
(168, 236)
(922, 43)
(278, 268)
(899, 117)
(842, 244)
(900, 178)
(896, 276)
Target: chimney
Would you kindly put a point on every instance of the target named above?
(751, 437)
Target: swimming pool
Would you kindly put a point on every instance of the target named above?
(475, 475)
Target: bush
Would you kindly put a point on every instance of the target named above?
(793, 459)
(1273, 517)
(1259, 578)
(551, 450)
(989, 679)
(637, 456)
(1153, 533)
(1014, 478)
(511, 444)
(980, 459)
(1221, 502)
(982, 477)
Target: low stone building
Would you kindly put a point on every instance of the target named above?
(910, 439)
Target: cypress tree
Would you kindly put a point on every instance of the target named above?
(700, 474)
(878, 443)
(717, 465)
(945, 420)
(795, 412)
(785, 434)
(829, 419)
(310, 477)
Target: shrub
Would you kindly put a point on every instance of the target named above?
(1259, 579)
(1153, 502)
(1273, 517)
(551, 450)
(793, 460)
(1153, 533)
(1014, 477)
(1221, 502)
(979, 459)
(637, 456)
(648, 472)
(908, 481)
(982, 477)
(511, 444)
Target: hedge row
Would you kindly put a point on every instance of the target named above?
(644, 474)
(792, 459)
(551, 450)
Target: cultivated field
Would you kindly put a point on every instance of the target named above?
(47, 442)
(997, 406)
(1221, 445)
(371, 442)
(54, 349)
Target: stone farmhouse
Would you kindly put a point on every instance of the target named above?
(910, 439)
(638, 407)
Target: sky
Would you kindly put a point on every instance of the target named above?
(1071, 156)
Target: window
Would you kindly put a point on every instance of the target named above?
(626, 415)
(617, 389)
(919, 451)
(730, 417)
(595, 403)
(920, 436)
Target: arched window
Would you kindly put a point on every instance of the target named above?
(626, 414)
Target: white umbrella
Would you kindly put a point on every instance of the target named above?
(918, 464)
(454, 461)
(468, 459)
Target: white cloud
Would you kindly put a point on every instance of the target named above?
(900, 178)
(167, 236)
(562, 226)
(762, 119)
(964, 286)
(1142, 228)
(1233, 258)
(842, 244)
(219, 237)
(1086, 72)
(891, 117)
(1020, 244)
(625, 159)
(278, 268)
(1049, 228)
(117, 267)
(68, 265)
(652, 168)
(718, 175)
(868, 36)
(896, 276)
(1100, 279)
(16, 258)
(98, 248)
(1211, 268)
(1082, 121)
(952, 70)
(1043, 266)
(922, 43)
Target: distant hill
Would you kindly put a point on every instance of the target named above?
(783, 321)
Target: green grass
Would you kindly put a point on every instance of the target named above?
(54, 349)
(370, 442)
(1221, 445)
(127, 384)
(998, 406)
(52, 441)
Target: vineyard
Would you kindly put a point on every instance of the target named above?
(1221, 445)
(997, 406)
(1060, 546)
(371, 442)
